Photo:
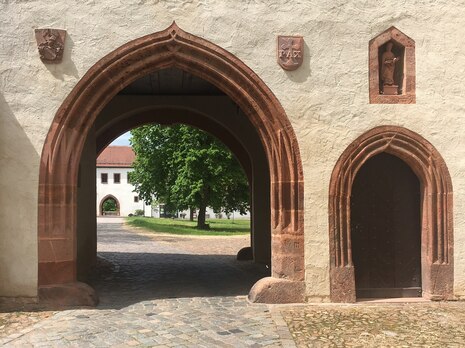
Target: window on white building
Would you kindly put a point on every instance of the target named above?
(116, 178)
(104, 178)
(136, 199)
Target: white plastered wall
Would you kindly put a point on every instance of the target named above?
(123, 192)
(326, 99)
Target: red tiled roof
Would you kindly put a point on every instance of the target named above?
(116, 156)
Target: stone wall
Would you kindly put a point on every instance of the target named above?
(326, 99)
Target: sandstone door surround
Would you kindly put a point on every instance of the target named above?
(61, 154)
(436, 210)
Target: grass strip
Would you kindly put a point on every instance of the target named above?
(218, 227)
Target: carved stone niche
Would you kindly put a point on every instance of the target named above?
(392, 68)
(51, 44)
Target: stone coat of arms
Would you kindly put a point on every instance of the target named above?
(51, 44)
(290, 52)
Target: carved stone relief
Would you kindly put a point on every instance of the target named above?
(290, 52)
(392, 68)
(51, 44)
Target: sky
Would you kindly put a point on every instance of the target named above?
(122, 140)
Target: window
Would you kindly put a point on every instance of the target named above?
(116, 178)
(136, 199)
(104, 178)
(129, 177)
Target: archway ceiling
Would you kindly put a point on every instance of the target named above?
(171, 81)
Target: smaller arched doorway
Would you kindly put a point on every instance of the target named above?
(386, 229)
(436, 230)
(109, 206)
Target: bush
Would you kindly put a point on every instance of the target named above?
(139, 212)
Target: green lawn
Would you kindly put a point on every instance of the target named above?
(218, 227)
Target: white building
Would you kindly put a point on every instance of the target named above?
(305, 137)
(113, 167)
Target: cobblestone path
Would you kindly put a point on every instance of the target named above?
(154, 293)
(166, 291)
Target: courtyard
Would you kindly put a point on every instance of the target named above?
(160, 290)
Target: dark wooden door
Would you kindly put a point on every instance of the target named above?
(386, 229)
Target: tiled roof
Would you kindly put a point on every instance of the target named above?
(116, 156)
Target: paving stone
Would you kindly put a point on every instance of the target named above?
(149, 297)
(422, 324)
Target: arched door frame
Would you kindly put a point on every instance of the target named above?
(436, 210)
(61, 154)
(103, 201)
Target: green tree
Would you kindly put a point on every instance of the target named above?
(183, 167)
(109, 205)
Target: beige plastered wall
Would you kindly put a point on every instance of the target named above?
(326, 99)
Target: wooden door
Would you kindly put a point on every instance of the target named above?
(386, 229)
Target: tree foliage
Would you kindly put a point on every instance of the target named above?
(183, 167)
(109, 205)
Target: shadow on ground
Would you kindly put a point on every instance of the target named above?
(122, 279)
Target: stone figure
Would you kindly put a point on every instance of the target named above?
(388, 66)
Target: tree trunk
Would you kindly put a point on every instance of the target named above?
(191, 213)
(201, 225)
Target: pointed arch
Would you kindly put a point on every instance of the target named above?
(171, 47)
(436, 210)
(104, 199)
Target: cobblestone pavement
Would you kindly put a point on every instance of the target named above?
(422, 324)
(14, 321)
(154, 293)
(167, 291)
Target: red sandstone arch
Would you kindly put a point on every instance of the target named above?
(62, 151)
(105, 199)
(436, 210)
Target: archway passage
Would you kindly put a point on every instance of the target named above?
(435, 214)
(74, 120)
(109, 205)
(386, 229)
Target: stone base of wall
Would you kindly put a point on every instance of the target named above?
(277, 290)
(245, 254)
(67, 295)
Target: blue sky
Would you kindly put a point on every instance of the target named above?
(122, 140)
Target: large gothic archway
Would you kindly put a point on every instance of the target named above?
(65, 140)
(436, 209)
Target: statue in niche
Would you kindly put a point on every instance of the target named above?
(388, 67)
